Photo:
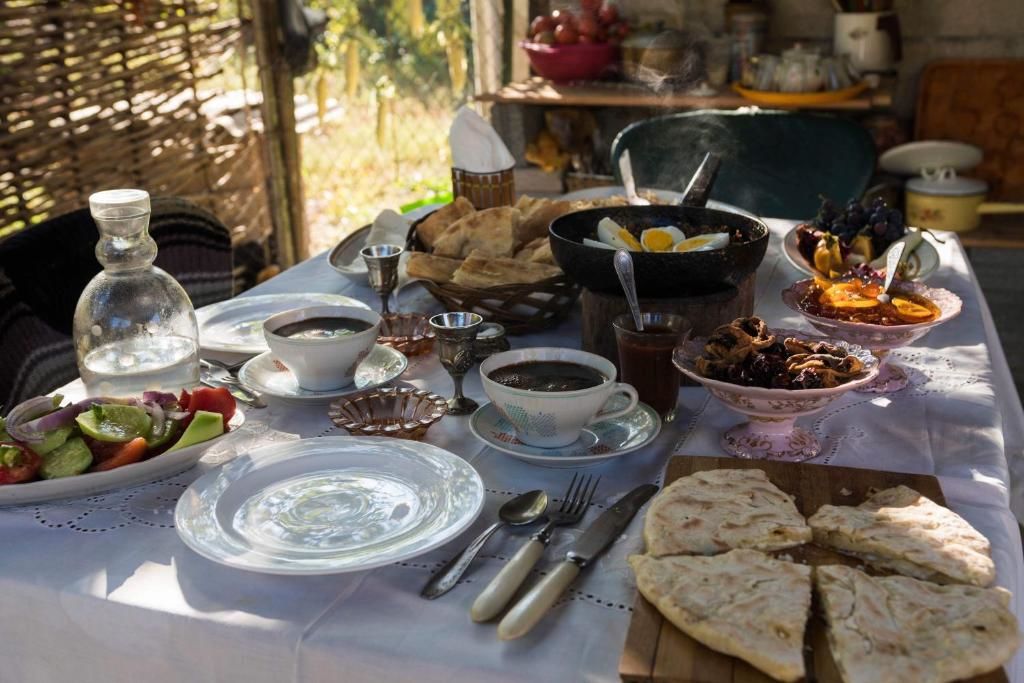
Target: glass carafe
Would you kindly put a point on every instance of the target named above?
(135, 329)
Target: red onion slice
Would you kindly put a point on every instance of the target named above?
(22, 415)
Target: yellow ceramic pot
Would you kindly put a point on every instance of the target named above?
(944, 201)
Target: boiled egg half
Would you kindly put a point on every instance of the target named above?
(661, 239)
(708, 242)
(614, 235)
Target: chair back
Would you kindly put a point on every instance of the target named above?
(44, 268)
(774, 163)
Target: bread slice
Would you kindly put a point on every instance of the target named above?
(434, 225)
(717, 510)
(481, 270)
(900, 629)
(491, 231)
(429, 267)
(901, 530)
(742, 603)
(537, 251)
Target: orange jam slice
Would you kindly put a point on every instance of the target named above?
(910, 311)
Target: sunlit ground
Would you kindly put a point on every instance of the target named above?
(349, 177)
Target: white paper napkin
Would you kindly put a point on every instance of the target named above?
(476, 146)
(390, 227)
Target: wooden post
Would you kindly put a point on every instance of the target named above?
(284, 176)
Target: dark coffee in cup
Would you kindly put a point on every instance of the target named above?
(547, 375)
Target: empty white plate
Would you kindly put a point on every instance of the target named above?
(329, 505)
(236, 325)
(268, 376)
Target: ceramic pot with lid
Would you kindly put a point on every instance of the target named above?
(943, 200)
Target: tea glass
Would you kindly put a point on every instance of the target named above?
(645, 358)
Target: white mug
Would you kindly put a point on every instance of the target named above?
(552, 419)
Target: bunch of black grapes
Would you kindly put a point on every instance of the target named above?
(881, 223)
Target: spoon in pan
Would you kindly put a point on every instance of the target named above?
(523, 509)
(624, 269)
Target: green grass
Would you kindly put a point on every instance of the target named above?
(349, 177)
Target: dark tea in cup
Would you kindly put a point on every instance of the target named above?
(645, 358)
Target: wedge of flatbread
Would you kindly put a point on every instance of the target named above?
(538, 213)
(537, 251)
(481, 270)
(434, 225)
(491, 231)
(900, 629)
(716, 510)
(742, 603)
(901, 530)
(429, 267)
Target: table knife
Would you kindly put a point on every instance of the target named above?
(594, 541)
(241, 393)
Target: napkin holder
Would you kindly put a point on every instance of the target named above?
(485, 190)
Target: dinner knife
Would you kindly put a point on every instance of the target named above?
(594, 541)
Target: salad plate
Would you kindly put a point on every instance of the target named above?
(236, 325)
(329, 505)
(597, 443)
(92, 483)
(268, 376)
(921, 263)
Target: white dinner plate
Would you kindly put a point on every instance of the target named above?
(913, 157)
(329, 505)
(922, 262)
(268, 376)
(598, 442)
(667, 196)
(236, 325)
(91, 483)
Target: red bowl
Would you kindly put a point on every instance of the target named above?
(579, 62)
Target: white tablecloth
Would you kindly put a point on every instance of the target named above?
(101, 589)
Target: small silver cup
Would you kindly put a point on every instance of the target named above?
(382, 266)
(456, 335)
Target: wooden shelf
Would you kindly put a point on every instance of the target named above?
(538, 91)
(1004, 231)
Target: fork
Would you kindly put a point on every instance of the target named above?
(502, 587)
(219, 374)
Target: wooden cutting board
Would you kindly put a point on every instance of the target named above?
(657, 651)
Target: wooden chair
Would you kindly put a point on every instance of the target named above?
(774, 163)
(44, 268)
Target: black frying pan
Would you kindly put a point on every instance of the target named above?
(663, 274)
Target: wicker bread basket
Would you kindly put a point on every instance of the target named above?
(519, 308)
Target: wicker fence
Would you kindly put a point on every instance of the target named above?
(96, 95)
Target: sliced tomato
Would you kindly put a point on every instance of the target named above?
(184, 399)
(26, 469)
(214, 400)
(126, 454)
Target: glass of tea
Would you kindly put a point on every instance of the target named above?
(645, 358)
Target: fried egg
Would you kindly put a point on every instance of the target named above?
(594, 243)
(661, 239)
(708, 242)
(616, 236)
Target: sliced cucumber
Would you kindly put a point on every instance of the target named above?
(71, 458)
(52, 439)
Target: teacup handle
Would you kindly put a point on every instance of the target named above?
(620, 388)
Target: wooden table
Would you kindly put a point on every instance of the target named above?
(1005, 231)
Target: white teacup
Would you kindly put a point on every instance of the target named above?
(552, 419)
(322, 364)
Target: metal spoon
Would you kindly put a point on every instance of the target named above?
(523, 509)
(624, 269)
(892, 264)
(626, 171)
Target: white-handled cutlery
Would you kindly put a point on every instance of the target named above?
(493, 599)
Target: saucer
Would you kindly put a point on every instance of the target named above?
(598, 442)
(270, 377)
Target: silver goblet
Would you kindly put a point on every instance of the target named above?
(456, 335)
(382, 266)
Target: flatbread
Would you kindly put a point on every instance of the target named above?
(717, 510)
(901, 530)
(537, 251)
(742, 603)
(538, 213)
(900, 629)
(481, 270)
(491, 231)
(434, 225)
(429, 267)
